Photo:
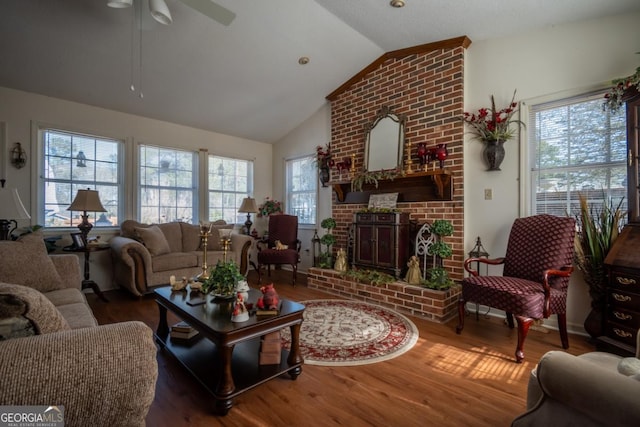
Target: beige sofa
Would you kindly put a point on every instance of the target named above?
(53, 352)
(593, 389)
(146, 255)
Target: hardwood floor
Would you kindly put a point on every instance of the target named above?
(445, 380)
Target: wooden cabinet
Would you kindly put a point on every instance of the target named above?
(381, 241)
(633, 161)
(622, 314)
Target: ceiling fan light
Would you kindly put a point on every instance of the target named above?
(120, 4)
(160, 11)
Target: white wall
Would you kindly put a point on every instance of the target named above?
(302, 141)
(550, 64)
(20, 109)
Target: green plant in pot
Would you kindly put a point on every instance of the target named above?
(598, 229)
(328, 240)
(222, 279)
(437, 276)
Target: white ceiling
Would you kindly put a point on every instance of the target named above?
(244, 79)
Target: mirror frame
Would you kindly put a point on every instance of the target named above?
(380, 142)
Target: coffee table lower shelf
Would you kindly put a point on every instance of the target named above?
(200, 356)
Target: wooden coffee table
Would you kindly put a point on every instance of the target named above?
(225, 359)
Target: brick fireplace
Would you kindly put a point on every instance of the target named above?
(426, 84)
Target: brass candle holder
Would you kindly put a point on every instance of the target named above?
(225, 242)
(205, 232)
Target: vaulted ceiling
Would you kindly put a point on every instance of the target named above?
(243, 79)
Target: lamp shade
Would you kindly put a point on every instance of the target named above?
(11, 206)
(160, 11)
(248, 205)
(88, 201)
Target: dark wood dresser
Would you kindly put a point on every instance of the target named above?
(381, 241)
(622, 316)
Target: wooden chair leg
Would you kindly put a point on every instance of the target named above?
(460, 327)
(523, 329)
(294, 268)
(562, 327)
(510, 320)
(259, 269)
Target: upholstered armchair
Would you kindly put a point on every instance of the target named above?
(282, 246)
(535, 276)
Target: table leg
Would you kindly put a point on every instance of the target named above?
(96, 289)
(226, 386)
(294, 354)
(162, 332)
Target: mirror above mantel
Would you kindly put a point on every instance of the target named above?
(384, 146)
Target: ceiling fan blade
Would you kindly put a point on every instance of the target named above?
(212, 10)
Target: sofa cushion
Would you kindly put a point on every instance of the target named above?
(213, 243)
(78, 315)
(26, 262)
(18, 300)
(128, 229)
(154, 240)
(66, 296)
(629, 366)
(190, 237)
(173, 233)
(174, 261)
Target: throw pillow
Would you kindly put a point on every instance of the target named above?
(213, 243)
(153, 238)
(629, 366)
(18, 301)
(26, 262)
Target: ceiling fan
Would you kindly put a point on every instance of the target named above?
(160, 11)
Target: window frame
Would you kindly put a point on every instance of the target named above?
(529, 182)
(290, 193)
(38, 133)
(240, 218)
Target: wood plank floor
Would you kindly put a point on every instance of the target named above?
(445, 380)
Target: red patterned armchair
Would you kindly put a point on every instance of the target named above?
(535, 278)
(283, 229)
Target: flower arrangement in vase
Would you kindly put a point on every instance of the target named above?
(324, 163)
(493, 127)
(269, 207)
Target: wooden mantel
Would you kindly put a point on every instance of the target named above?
(415, 187)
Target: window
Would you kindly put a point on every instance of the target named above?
(73, 161)
(168, 185)
(576, 148)
(230, 181)
(302, 188)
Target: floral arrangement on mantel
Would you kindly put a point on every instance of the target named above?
(489, 124)
(269, 207)
(323, 156)
(614, 98)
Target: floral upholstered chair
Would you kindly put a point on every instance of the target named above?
(535, 278)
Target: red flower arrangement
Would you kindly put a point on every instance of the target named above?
(323, 156)
(491, 124)
(269, 207)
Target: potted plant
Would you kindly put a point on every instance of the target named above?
(437, 276)
(598, 229)
(328, 240)
(493, 127)
(222, 279)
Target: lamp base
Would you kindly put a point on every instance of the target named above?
(248, 224)
(5, 228)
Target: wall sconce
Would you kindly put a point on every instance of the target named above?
(18, 156)
(82, 159)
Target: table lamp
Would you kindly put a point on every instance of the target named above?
(248, 206)
(86, 201)
(11, 208)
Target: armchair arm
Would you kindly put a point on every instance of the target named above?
(578, 392)
(468, 261)
(131, 264)
(104, 376)
(563, 272)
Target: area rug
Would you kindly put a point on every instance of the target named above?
(347, 333)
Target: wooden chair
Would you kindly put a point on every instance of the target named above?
(535, 278)
(282, 228)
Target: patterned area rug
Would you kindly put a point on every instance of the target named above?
(348, 333)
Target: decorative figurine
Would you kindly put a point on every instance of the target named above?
(242, 288)
(341, 261)
(195, 285)
(240, 312)
(280, 247)
(269, 298)
(413, 273)
(177, 285)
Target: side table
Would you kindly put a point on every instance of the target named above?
(87, 282)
